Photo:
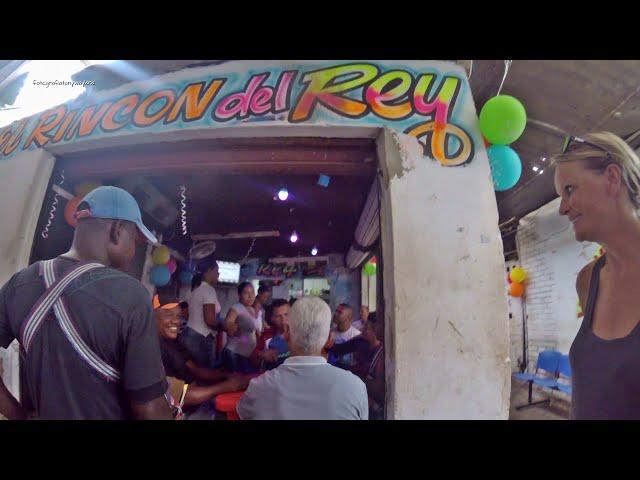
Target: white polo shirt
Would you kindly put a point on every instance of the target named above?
(305, 388)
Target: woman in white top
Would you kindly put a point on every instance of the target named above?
(198, 337)
(243, 325)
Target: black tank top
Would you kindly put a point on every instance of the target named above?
(605, 374)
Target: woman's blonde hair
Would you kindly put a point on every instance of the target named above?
(613, 150)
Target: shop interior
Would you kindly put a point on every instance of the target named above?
(298, 214)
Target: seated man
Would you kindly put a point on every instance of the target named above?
(272, 349)
(343, 332)
(190, 385)
(305, 386)
(368, 350)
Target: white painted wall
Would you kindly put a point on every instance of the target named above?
(25, 178)
(446, 309)
(552, 258)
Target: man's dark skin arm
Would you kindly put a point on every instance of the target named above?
(156, 409)
(206, 374)
(9, 406)
(198, 394)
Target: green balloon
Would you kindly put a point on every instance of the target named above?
(369, 269)
(502, 120)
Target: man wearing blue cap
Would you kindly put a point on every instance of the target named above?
(85, 328)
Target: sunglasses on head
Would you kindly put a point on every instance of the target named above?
(573, 141)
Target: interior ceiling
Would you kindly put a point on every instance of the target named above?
(231, 185)
(223, 204)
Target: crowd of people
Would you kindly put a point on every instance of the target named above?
(259, 340)
(96, 347)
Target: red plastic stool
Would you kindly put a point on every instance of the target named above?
(227, 403)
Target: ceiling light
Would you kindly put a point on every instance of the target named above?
(544, 159)
(294, 237)
(534, 168)
(283, 194)
(540, 172)
(314, 251)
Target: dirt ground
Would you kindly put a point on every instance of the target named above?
(558, 409)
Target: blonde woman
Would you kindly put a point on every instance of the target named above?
(598, 180)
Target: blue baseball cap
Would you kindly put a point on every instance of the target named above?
(116, 204)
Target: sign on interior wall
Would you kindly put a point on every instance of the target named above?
(311, 269)
(428, 100)
(276, 270)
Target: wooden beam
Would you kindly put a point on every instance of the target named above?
(291, 160)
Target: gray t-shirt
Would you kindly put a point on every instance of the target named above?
(112, 313)
(305, 388)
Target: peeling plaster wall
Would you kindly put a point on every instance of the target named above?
(446, 311)
(25, 179)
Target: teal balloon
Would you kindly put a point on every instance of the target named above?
(502, 120)
(506, 167)
(160, 275)
(185, 277)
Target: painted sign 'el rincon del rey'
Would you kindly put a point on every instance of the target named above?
(422, 99)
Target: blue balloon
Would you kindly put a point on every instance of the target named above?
(185, 277)
(506, 167)
(160, 275)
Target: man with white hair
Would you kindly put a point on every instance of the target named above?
(305, 386)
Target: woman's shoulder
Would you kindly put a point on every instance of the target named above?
(584, 276)
(583, 282)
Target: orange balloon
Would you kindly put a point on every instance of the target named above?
(516, 289)
(70, 210)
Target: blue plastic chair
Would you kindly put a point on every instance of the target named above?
(548, 361)
(564, 369)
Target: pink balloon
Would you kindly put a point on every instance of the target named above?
(171, 265)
